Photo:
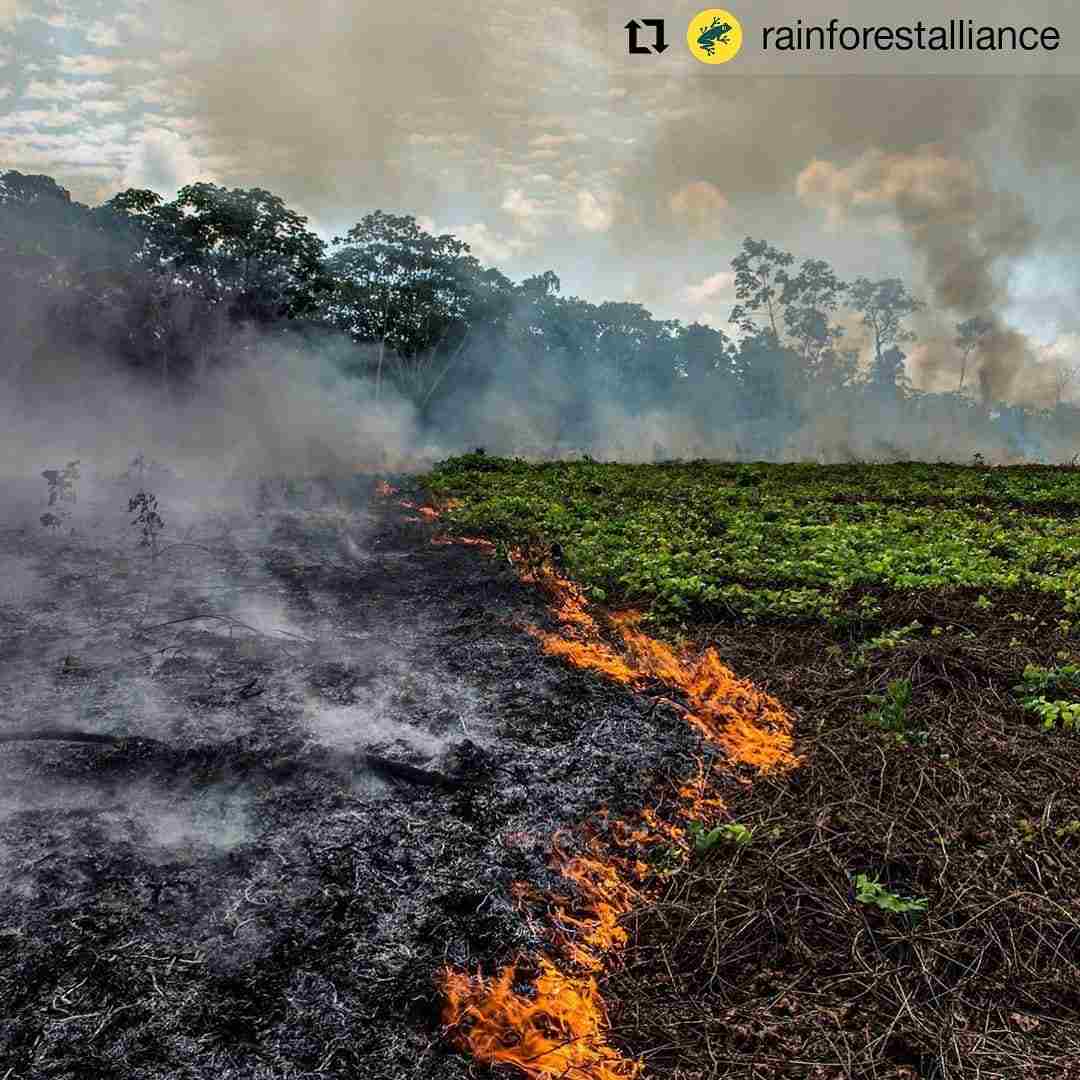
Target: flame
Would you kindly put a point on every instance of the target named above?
(556, 1030)
(426, 512)
(750, 725)
(469, 541)
(555, 1027)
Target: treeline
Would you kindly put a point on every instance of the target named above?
(173, 290)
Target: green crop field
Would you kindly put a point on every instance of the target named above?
(714, 542)
(903, 904)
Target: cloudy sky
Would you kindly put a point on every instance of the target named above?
(523, 129)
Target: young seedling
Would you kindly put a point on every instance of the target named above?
(61, 494)
(870, 891)
(884, 642)
(147, 519)
(706, 840)
(1038, 686)
(891, 713)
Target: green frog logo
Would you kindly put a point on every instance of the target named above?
(716, 33)
(714, 36)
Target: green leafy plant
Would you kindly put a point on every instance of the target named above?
(147, 519)
(870, 891)
(705, 840)
(1070, 829)
(886, 641)
(891, 713)
(773, 543)
(1038, 694)
(1028, 829)
(666, 860)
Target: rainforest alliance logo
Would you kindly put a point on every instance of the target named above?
(714, 36)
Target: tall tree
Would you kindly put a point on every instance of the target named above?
(246, 248)
(809, 301)
(760, 277)
(970, 335)
(884, 305)
(412, 294)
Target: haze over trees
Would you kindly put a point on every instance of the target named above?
(172, 290)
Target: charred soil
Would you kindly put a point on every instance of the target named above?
(318, 752)
(328, 757)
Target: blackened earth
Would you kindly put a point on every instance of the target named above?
(325, 749)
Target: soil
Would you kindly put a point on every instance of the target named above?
(761, 962)
(317, 750)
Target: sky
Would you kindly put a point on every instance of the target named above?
(524, 130)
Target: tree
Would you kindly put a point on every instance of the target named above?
(809, 299)
(884, 305)
(1065, 374)
(760, 276)
(43, 232)
(770, 386)
(888, 372)
(411, 293)
(970, 335)
(245, 248)
(704, 355)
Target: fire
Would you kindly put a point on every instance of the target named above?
(469, 541)
(556, 1030)
(556, 1025)
(427, 512)
(731, 712)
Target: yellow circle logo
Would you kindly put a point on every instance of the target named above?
(714, 36)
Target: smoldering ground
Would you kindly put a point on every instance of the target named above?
(170, 892)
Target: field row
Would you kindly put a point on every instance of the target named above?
(778, 542)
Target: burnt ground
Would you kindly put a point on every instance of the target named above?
(326, 748)
(318, 750)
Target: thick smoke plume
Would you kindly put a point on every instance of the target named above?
(964, 231)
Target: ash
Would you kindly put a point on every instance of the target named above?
(258, 789)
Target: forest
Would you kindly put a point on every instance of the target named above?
(172, 290)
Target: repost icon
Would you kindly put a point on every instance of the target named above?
(714, 36)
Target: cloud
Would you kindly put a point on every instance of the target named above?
(528, 213)
(64, 90)
(31, 120)
(711, 288)
(595, 213)
(551, 140)
(103, 35)
(317, 103)
(87, 64)
(698, 202)
(486, 244)
(162, 161)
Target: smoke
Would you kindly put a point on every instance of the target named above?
(641, 185)
(321, 103)
(965, 233)
(270, 409)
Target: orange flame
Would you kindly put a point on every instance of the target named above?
(428, 512)
(470, 541)
(750, 725)
(556, 1027)
(557, 1030)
